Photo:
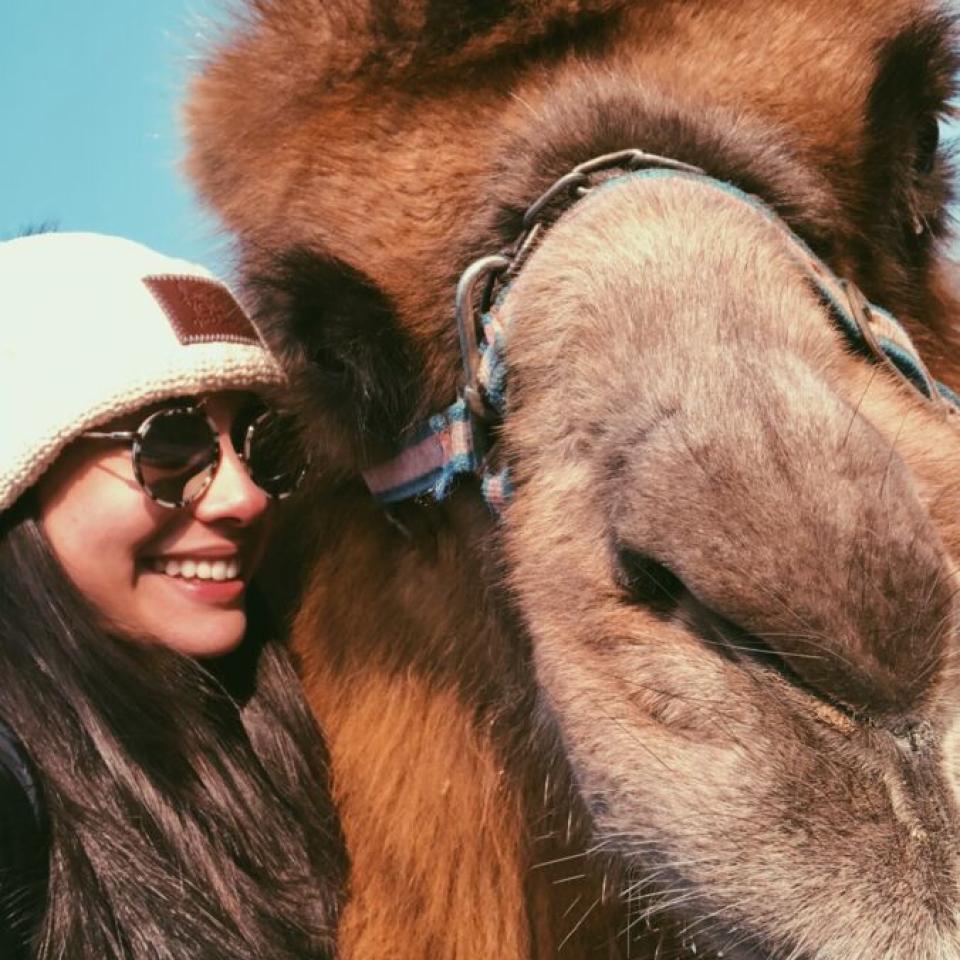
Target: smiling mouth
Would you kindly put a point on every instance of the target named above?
(199, 569)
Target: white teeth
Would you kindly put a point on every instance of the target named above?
(198, 569)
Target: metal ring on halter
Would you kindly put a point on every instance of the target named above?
(467, 326)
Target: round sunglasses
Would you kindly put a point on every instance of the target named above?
(176, 452)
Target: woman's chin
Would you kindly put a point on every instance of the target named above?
(203, 633)
(199, 618)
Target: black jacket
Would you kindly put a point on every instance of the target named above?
(24, 849)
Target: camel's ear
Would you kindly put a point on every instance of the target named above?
(355, 375)
(907, 175)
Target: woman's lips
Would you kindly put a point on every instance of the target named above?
(208, 579)
(208, 591)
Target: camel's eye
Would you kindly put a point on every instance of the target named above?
(649, 582)
(928, 139)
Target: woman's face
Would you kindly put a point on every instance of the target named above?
(174, 577)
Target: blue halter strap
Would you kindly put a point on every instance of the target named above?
(451, 443)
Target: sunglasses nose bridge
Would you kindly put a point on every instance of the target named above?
(231, 493)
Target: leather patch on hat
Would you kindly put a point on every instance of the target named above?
(201, 311)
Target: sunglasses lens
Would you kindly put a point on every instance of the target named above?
(274, 454)
(177, 456)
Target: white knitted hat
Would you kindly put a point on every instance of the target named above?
(93, 327)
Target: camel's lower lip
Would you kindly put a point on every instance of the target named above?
(694, 950)
(669, 938)
(702, 952)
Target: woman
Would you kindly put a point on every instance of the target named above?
(163, 786)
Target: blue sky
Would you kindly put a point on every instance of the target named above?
(89, 95)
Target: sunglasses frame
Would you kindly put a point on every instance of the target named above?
(248, 435)
(135, 439)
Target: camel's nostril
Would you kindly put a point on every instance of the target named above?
(649, 582)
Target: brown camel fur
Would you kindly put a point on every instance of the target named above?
(693, 693)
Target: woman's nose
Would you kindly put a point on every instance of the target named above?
(232, 494)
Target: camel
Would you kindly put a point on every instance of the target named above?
(685, 687)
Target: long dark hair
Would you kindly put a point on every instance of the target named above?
(188, 803)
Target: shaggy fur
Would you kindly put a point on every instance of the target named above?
(695, 693)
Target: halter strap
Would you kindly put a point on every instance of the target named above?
(450, 443)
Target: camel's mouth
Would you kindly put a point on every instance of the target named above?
(663, 916)
(676, 939)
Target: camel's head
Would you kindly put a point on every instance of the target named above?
(730, 543)
(743, 614)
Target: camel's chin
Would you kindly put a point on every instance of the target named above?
(672, 938)
(677, 938)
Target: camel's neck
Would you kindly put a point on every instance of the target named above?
(455, 811)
